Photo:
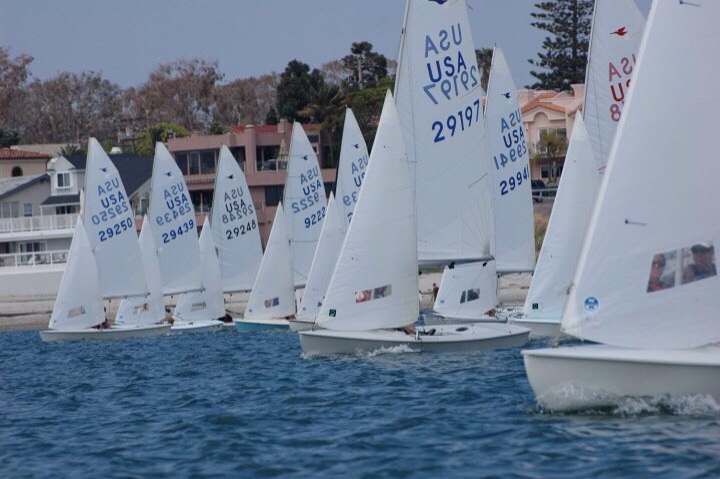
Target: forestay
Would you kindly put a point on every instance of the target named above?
(235, 226)
(439, 101)
(664, 144)
(273, 294)
(509, 163)
(110, 225)
(172, 218)
(151, 309)
(615, 39)
(351, 166)
(209, 303)
(467, 291)
(566, 229)
(78, 304)
(305, 202)
(375, 283)
(326, 255)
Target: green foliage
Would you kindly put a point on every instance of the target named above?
(215, 128)
(565, 51)
(294, 91)
(69, 150)
(367, 105)
(8, 137)
(108, 145)
(146, 138)
(364, 66)
(552, 143)
(272, 117)
(484, 60)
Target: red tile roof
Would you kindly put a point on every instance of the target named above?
(542, 102)
(10, 154)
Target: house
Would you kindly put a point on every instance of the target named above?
(16, 163)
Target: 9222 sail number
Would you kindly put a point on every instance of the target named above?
(116, 229)
(506, 186)
(175, 233)
(315, 218)
(462, 120)
(238, 231)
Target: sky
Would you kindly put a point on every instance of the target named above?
(126, 39)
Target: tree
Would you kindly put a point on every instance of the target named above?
(145, 139)
(13, 75)
(364, 66)
(8, 137)
(182, 91)
(367, 105)
(565, 50)
(246, 100)
(552, 143)
(294, 91)
(70, 107)
(484, 60)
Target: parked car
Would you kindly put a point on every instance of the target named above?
(537, 189)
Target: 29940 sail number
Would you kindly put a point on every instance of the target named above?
(508, 185)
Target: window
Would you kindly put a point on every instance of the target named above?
(182, 161)
(66, 209)
(202, 200)
(9, 209)
(143, 206)
(194, 163)
(62, 180)
(239, 153)
(207, 162)
(267, 157)
(329, 187)
(314, 138)
(16, 171)
(27, 209)
(32, 247)
(274, 194)
(364, 295)
(470, 295)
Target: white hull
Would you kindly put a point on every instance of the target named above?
(598, 375)
(184, 327)
(296, 325)
(438, 319)
(448, 338)
(539, 328)
(247, 325)
(115, 332)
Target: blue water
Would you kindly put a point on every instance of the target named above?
(249, 405)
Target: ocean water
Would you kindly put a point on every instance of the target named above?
(250, 405)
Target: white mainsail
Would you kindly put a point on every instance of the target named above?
(375, 283)
(509, 163)
(235, 226)
(208, 303)
(326, 255)
(110, 225)
(351, 166)
(467, 291)
(305, 202)
(614, 42)
(664, 144)
(616, 33)
(566, 229)
(150, 309)
(174, 230)
(78, 304)
(439, 102)
(273, 294)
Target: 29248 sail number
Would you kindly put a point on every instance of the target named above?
(238, 231)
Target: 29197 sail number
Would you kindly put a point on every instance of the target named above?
(459, 121)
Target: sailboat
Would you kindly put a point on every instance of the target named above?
(198, 306)
(174, 230)
(615, 38)
(305, 202)
(373, 291)
(272, 299)
(512, 207)
(110, 233)
(646, 285)
(351, 171)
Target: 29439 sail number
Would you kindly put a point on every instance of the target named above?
(174, 233)
(459, 121)
(238, 231)
(506, 186)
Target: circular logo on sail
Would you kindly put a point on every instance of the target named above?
(591, 303)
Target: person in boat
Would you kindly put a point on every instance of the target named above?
(226, 319)
(656, 281)
(703, 265)
(435, 291)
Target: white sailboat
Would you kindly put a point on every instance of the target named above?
(235, 226)
(199, 311)
(305, 202)
(615, 39)
(646, 284)
(512, 207)
(374, 287)
(272, 300)
(351, 171)
(151, 309)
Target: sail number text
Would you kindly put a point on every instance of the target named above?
(174, 233)
(508, 185)
(240, 230)
(456, 123)
(116, 229)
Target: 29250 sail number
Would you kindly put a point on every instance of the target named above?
(115, 229)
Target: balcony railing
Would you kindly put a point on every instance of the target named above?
(37, 223)
(33, 259)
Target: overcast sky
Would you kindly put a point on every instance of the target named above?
(126, 39)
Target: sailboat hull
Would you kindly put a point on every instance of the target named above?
(539, 328)
(598, 375)
(186, 327)
(448, 338)
(109, 333)
(249, 325)
(296, 325)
